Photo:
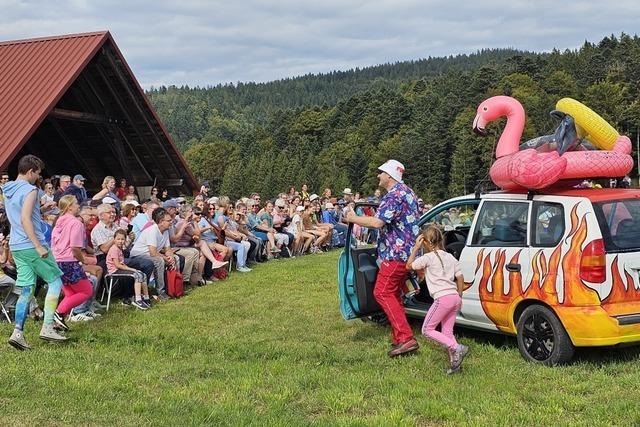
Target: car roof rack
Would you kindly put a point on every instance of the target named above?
(484, 186)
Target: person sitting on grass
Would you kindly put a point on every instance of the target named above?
(440, 268)
(116, 265)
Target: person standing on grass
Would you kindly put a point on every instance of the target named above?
(30, 252)
(67, 240)
(397, 220)
(446, 284)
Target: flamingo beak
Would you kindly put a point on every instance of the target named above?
(479, 126)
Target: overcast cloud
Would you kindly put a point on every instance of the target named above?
(198, 42)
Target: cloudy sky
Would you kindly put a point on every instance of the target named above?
(200, 42)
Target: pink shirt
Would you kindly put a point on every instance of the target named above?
(115, 253)
(441, 281)
(68, 233)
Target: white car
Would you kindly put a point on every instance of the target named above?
(558, 268)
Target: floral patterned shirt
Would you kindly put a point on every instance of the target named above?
(399, 211)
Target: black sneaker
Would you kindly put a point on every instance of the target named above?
(139, 304)
(58, 319)
(147, 302)
(126, 301)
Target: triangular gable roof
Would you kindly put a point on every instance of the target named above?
(36, 73)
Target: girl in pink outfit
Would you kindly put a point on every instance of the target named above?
(445, 283)
(67, 242)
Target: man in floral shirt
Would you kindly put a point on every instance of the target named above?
(397, 219)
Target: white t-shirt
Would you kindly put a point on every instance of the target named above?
(151, 236)
(293, 226)
(441, 281)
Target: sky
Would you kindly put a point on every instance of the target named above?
(203, 43)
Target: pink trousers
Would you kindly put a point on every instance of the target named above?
(74, 295)
(443, 310)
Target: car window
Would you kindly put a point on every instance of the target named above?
(548, 228)
(620, 224)
(455, 217)
(502, 223)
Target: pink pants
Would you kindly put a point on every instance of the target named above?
(74, 295)
(443, 310)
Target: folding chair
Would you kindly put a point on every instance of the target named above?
(111, 280)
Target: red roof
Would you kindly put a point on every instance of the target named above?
(34, 75)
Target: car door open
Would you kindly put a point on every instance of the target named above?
(358, 268)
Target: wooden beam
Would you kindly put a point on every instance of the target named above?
(109, 56)
(79, 116)
(89, 171)
(113, 131)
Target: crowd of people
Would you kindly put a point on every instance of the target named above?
(54, 235)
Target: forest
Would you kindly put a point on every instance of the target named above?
(333, 130)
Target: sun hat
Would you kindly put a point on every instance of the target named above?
(313, 197)
(129, 202)
(393, 168)
(300, 208)
(329, 205)
(213, 201)
(347, 191)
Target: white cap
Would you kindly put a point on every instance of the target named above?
(109, 200)
(213, 200)
(279, 203)
(128, 202)
(313, 197)
(329, 205)
(300, 208)
(393, 168)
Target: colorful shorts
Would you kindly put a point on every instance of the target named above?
(30, 265)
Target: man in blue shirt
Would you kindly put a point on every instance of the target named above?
(397, 220)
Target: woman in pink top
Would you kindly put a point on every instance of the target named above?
(445, 283)
(67, 242)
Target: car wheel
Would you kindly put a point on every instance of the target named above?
(542, 338)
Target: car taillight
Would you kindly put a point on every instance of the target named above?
(593, 264)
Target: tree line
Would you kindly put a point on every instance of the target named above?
(333, 130)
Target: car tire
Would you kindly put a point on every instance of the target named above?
(542, 338)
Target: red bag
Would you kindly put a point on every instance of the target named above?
(173, 281)
(220, 273)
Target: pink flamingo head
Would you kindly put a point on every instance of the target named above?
(492, 109)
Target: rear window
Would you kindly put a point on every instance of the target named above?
(620, 224)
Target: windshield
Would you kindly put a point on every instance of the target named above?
(620, 224)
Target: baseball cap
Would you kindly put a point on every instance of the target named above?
(300, 208)
(280, 203)
(79, 178)
(171, 203)
(213, 200)
(109, 200)
(130, 202)
(329, 205)
(393, 168)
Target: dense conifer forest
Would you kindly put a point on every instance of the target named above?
(333, 130)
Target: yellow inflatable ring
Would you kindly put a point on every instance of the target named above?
(589, 124)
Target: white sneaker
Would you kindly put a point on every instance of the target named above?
(93, 314)
(243, 269)
(80, 317)
(218, 264)
(48, 333)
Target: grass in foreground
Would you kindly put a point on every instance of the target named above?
(270, 348)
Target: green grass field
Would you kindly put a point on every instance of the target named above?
(270, 348)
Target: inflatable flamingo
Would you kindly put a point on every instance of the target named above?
(530, 169)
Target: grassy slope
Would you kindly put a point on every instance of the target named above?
(270, 347)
